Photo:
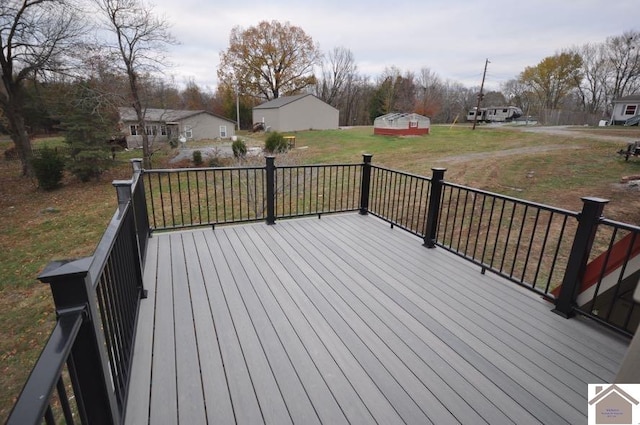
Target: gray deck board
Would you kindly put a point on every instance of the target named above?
(345, 320)
(140, 388)
(469, 333)
(214, 383)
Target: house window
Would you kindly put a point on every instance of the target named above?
(630, 109)
(134, 130)
(223, 131)
(188, 132)
(163, 130)
(152, 130)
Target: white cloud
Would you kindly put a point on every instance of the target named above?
(451, 38)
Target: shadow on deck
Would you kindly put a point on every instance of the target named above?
(346, 320)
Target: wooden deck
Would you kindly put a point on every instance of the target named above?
(345, 320)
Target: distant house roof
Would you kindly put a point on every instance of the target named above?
(631, 98)
(284, 100)
(163, 115)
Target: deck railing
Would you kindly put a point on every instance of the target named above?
(82, 375)
(192, 197)
(582, 262)
(400, 198)
(525, 242)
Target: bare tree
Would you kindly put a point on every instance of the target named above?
(622, 55)
(429, 96)
(139, 40)
(592, 90)
(35, 38)
(339, 69)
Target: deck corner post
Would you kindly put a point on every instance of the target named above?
(72, 289)
(588, 221)
(271, 190)
(365, 183)
(123, 191)
(433, 209)
(136, 164)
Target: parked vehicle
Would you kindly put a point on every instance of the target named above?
(495, 114)
(635, 120)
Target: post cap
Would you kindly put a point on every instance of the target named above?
(117, 183)
(595, 200)
(65, 268)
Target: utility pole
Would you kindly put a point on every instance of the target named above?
(480, 95)
(238, 105)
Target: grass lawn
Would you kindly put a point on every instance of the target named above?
(37, 227)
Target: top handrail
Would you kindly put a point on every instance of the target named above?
(545, 207)
(402, 173)
(34, 398)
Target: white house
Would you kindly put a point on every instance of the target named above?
(165, 124)
(625, 108)
(296, 113)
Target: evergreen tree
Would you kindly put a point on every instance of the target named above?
(90, 122)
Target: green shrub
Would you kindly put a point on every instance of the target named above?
(197, 158)
(276, 143)
(215, 162)
(48, 166)
(89, 163)
(239, 148)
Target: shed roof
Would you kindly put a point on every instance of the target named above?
(397, 115)
(285, 100)
(164, 115)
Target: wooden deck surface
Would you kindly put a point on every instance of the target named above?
(345, 320)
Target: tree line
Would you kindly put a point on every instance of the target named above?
(54, 54)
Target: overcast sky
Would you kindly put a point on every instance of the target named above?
(451, 37)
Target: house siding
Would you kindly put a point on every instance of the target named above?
(203, 126)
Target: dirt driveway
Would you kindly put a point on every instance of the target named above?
(572, 131)
(561, 130)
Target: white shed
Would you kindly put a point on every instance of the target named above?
(401, 124)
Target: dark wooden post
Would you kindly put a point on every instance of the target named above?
(72, 290)
(271, 190)
(583, 241)
(433, 209)
(365, 184)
